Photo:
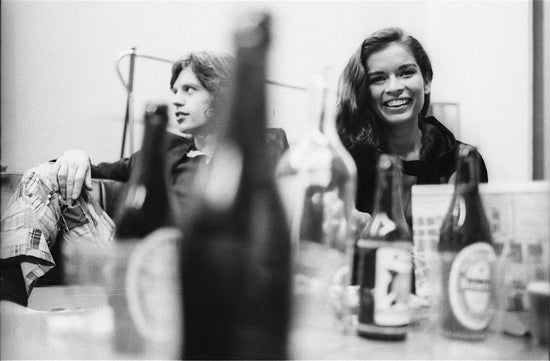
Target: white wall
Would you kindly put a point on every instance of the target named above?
(59, 85)
(60, 89)
(482, 58)
(546, 122)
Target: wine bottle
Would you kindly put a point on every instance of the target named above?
(317, 179)
(145, 219)
(467, 256)
(236, 249)
(384, 260)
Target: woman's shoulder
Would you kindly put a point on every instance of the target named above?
(483, 174)
(440, 147)
(437, 140)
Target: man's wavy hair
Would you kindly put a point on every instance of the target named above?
(214, 71)
(356, 122)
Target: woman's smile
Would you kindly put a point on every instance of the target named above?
(396, 85)
(397, 103)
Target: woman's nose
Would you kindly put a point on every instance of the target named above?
(394, 85)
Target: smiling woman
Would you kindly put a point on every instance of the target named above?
(384, 96)
(397, 89)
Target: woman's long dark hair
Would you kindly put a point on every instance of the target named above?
(356, 122)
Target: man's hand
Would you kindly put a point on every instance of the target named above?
(70, 172)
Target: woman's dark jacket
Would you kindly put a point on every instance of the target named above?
(436, 164)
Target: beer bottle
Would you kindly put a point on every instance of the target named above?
(467, 256)
(384, 260)
(236, 250)
(146, 207)
(317, 179)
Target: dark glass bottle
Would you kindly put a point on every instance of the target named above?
(384, 260)
(467, 256)
(147, 203)
(146, 206)
(317, 179)
(236, 249)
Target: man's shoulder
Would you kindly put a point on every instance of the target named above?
(175, 141)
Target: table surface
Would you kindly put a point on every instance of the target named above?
(62, 323)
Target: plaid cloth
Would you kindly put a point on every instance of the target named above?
(36, 216)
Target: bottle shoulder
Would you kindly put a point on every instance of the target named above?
(458, 231)
(311, 155)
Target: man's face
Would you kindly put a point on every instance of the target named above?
(192, 102)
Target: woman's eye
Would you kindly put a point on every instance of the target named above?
(408, 73)
(376, 80)
(189, 90)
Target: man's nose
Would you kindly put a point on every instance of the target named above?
(178, 100)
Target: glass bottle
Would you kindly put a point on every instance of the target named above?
(317, 179)
(385, 260)
(236, 250)
(146, 237)
(467, 256)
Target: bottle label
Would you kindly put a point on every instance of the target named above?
(470, 285)
(152, 284)
(392, 286)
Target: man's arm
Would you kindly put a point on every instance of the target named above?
(70, 173)
(119, 170)
(74, 170)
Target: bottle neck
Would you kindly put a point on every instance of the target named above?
(467, 170)
(388, 220)
(322, 107)
(467, 182)
(388, 195)
(151, 161)
(247, 123)
(465, 222)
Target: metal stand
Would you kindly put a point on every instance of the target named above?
(129, 86)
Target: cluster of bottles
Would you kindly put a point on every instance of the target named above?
(226, 268)
(249, 262)
(464, 268)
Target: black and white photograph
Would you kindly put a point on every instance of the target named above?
(275, 180)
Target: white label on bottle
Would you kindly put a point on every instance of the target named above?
(152, 284)
(470, 285)
(392, 286)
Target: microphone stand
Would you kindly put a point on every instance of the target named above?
(129, 86)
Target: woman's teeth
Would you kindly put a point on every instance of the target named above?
(397, 102)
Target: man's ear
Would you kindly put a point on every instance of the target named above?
(427, 87)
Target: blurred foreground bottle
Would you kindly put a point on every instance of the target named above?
(236, 250)
(144, 267)
(317, 179)
(467, 256)
(384, 260)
